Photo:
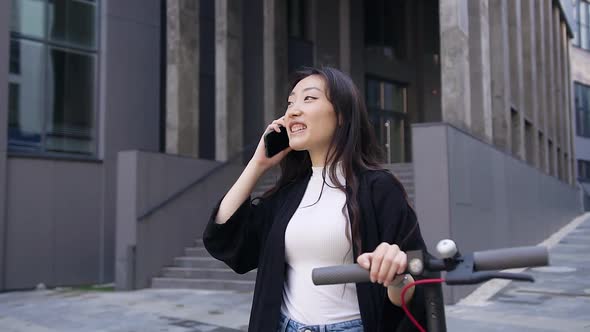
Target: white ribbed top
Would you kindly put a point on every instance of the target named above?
(316, 237)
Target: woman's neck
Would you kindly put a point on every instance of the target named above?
(318, 157)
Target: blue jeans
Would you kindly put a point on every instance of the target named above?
(288, 325)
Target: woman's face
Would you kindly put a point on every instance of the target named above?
(310, 118)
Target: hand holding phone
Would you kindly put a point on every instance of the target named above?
(275, 142)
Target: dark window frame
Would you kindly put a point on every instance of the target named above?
(577, 13)
(398, 115)
(582, 112)
(48, 44)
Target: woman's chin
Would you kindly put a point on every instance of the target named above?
(297, 147)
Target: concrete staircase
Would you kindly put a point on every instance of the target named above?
(198, 270)
(405, 173)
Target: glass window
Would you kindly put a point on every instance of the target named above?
(26, 94)
(582, 105)
(72, 22)
(296, 19)
(385, 27)
(70, 121)
(52, 77)
(584, 170)
(387, 107)
(28, 17)
(581, 23)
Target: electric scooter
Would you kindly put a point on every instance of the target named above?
(468, 269)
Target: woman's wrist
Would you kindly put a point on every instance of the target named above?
(394, 291)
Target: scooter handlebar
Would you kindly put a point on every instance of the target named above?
(508, 258)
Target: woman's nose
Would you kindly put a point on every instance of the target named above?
(293, 112)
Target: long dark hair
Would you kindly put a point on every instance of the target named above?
(353, 145)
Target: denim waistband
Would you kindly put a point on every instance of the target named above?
(287, 324)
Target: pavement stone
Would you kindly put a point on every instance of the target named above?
(559, 300)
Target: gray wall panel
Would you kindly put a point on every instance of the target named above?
(494, 200)
(147, 179)
(140, 11)
(131, 105)
(77, 207)
(4, 51)
(52, 234)
(30, 221)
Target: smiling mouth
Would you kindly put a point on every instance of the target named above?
(297, 128)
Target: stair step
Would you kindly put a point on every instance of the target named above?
(207, 273)
(199, 243)
(235, 285)
(196, 252)
(198, 262)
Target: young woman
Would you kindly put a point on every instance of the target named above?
(333, 204)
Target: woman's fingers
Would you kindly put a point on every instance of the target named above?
(384, 264)
(364, 260)
(276, 124)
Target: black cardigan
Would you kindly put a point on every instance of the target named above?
(254, 237)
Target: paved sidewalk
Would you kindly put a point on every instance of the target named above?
(148, 310)
(559, 300)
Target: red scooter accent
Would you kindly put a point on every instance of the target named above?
(403, 295)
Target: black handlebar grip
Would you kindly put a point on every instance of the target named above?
(509, 258)
(339, 274)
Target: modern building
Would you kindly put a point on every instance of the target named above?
(580, 63)
(122, 122)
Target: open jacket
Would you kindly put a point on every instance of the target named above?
(254, 237)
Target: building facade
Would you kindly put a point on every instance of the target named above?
(580, 59)
(116, 115)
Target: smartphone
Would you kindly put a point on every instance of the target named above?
(275, 142)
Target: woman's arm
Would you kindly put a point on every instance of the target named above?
(243, 187)
(238, 193)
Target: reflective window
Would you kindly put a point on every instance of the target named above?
(52, 76)
(582, 105)
(581, 23)
(387, 107)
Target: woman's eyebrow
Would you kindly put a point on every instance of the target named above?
(310, 88)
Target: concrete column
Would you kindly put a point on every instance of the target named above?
(228, 79)
(558, 99)
(4, 54)
(567, 108)
(516, 76)
(275, 59)
(480, 77)
(455, 75)
(570, 122)
(182, 79)
(500, 73)
(541, 62)
(550, 86)
(530, 104)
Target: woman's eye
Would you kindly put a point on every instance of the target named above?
(289, 103)
(310, 98)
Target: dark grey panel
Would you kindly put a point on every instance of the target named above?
(481, 197)
(4, 51)
(140, 11)
(207, 78)
(53, 218)
(77, 207)
(30, 225)
(131, 105)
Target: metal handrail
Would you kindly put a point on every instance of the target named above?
(202, 178)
